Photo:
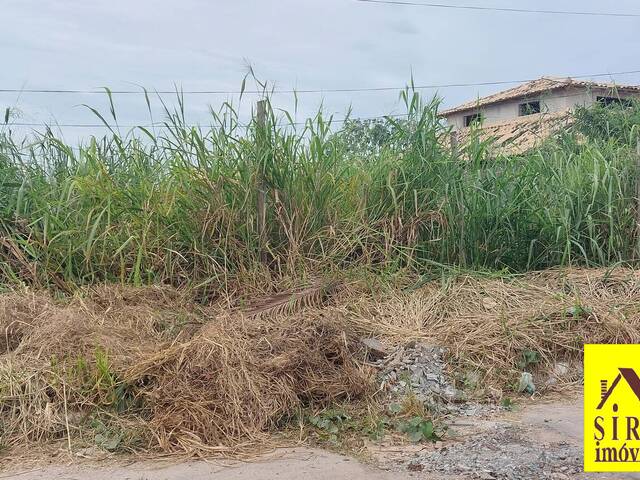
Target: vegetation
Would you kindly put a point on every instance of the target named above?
(179, 205)
(157, 368)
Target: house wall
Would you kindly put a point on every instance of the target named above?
(564, 99)
(491, 113)
(553, 101)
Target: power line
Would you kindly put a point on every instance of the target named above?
(165, 124)
(503, 9)
(291, 91)
(72, 125)
(204, 125)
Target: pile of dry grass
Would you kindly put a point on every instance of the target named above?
(189, 378)
(62, 360)
(239, 378)
(488, 323)
(192, 379)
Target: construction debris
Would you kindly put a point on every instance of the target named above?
(502, 454)
(417, 368)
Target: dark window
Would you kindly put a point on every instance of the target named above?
(614, 101)
(471, 119)
(529, 108)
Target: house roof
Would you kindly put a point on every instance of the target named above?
(536, 87)
(516, 136)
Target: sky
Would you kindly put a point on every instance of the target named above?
(290, 44)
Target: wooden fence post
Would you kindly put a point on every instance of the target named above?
(261, 197)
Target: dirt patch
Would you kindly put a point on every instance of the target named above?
(285, 464)
(538, 440)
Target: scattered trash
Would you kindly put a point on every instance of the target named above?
(526, 384)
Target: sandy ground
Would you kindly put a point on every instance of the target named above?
(290, 464)
(547, 425)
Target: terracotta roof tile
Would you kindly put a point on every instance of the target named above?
(535, 87)
(521, 134)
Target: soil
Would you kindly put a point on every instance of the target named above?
(538, 439)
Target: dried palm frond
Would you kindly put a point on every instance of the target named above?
(290, 302)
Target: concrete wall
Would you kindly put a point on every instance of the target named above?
(553, 101)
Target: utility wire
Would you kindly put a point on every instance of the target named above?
(325, 90)
(72, 125)
(503, 9)
(165, 124)
(204, 125)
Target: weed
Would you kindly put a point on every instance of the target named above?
(330, 421)
(178, 205)
(100, 383)
(528, 358)
(507, 403)
(106, 438)
(334, 424)
(419, 429)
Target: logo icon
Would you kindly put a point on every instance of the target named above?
(612, 408)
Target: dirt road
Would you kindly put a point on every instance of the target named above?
(539, 440)
(285, 465)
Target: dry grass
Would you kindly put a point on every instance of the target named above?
(487, 324)
(187, 378)
(238, 378)
(171, 375)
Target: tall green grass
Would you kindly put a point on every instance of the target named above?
(178, 205)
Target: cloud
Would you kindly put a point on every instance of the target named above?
(200, 44)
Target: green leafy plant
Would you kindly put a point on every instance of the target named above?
(528, 358)
(106, 438)
(507, 403)
(330, 422)
(376, 429)
(419, 429)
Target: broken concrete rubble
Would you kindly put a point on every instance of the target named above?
(419, 369)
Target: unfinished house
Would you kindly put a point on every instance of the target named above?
(520, 117)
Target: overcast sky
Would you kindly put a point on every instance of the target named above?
(305, 44)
